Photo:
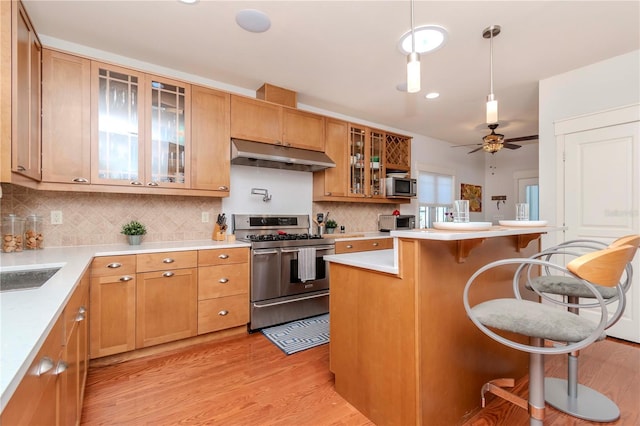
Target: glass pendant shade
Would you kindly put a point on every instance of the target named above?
(492, 109)
(413, 72)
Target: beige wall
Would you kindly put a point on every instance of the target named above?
(96, 218)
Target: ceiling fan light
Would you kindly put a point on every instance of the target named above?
(492, 147)
(492, 109)
(413, 72)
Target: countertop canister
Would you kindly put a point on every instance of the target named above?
(33, 233)
(12, 233)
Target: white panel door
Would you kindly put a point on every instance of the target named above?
(601, 194)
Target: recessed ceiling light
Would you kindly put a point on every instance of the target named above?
(189, 1)
(428, 39)
(432, 95)
(253, 20)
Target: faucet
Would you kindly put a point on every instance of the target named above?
(261, 191)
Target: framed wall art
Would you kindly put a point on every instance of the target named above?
(473, 193)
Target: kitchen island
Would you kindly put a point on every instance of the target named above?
(402, 349)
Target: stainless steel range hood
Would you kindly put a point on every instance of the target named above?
(248, 153)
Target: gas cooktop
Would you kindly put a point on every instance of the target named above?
(282, 237)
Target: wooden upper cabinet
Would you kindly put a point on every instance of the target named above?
(302, 129)
(256, 120)
(26, 95)
(66, 118)
(210, 135)
(333, 182)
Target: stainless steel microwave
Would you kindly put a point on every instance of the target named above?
(401, 187)
(389, 222)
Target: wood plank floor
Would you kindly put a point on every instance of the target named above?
(248, 381)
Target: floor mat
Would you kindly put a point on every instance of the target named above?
(299, 335)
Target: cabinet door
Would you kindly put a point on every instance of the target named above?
(335, 180)
(375, 162)
(168, 120)
(210, 135)
(66, 118)
(256, 120)
(302, 129)
(117, 122)
(166, 306)
(398, 152)
(25, 138)
(358, 173)
(113, 314)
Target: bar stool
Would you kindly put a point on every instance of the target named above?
(542, 322)
(567, 395)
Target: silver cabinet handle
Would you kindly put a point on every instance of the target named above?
(44, 365)
(223, 188)
(82, 310)
(21, 168)
(223, 256)
(80, 317)
(60, 368)
(168, 260)
(152, 184)
(168, 274)
(349, 246)
(126, 278)
(223, 280)
(223, 313)
(114, 265)
(135, 182)
(80, 180)
(376, 244)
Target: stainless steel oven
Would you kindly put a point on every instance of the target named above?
(277, 292)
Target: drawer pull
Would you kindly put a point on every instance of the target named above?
(152, 184)
(349, 246)
(223, 188)
(126, 278)
(80, 317)
(137, 183)
(168, 274)
(79, 180)
(44, 365)
(114, 265)
(376, 244)
(223, 313)
(82, 310)
(223, 256)
(168, 260)
(60, 368)
(223, 280)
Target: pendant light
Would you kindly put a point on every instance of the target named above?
(492, 102)
(413, 62)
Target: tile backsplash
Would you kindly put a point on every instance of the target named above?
(91, 218)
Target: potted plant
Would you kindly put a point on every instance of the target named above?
(331, 226)
(134, 231)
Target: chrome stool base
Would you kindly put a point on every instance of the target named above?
(588, 405)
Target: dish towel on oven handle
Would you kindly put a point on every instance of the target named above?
(307, 264)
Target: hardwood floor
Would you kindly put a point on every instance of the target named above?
(248, 381)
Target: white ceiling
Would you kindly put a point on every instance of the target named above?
(342, 56)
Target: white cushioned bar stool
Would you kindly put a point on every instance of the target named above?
(498, 318)
(567, 395)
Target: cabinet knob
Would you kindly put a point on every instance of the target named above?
(223, 313)
(44, 365)
(168, 274)
(223, 188)
(135, 182)
(223, 256)
(152, 184)
(80, 180)
(126, 278)
(114, 265)
(168, 260)
(223, 280)
(60, 368)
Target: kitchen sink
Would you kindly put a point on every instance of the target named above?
(25, 279)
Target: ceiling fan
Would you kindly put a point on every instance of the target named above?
(494, 142)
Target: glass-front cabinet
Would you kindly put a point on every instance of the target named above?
(366, 167)
(141, 132)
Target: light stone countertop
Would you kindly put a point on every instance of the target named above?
(27, 316)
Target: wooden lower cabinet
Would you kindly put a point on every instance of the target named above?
(166, 306)
(353, 246)
(222, 312)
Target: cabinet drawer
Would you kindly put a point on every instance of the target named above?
(363, 245)
(167, 260)
(112, 265)
(223, 312)
(223, 256)
(222, 280)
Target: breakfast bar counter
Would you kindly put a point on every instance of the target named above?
(402, 349)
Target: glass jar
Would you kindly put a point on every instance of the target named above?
(33, 233)
(12, 233)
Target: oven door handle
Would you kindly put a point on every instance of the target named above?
(258, 251)
(295, 250)
(297, 299)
